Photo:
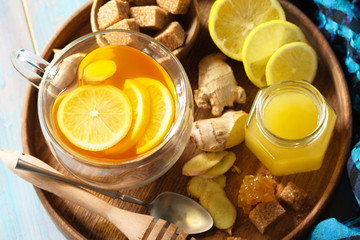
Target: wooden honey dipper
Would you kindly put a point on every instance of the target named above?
(135, 227)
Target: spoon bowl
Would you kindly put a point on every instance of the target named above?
(174, 208)
(181, 211)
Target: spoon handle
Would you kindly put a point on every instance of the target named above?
(133, 225)
(27, 166)
(24, 165)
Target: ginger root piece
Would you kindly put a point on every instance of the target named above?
(218, 134)
(197, 184)
(66, 74)
(208, 191)
(217, 85)
(221, 180)
(214, 199)
(222, 211)
(222, 167)
(202, 162)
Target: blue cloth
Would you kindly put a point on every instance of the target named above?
(339, 21)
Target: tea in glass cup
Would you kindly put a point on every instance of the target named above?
(116, 114)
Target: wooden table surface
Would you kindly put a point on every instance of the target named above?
(29, 24)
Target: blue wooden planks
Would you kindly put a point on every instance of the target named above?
(21, 214)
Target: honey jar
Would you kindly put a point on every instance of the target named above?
(289, 127)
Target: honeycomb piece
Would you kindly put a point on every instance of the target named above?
(256, 189)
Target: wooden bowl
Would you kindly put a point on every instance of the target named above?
(78, 223)
(189, 21)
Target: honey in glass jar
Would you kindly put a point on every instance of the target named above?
(289, 127)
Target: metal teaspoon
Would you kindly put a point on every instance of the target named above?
(175, 208)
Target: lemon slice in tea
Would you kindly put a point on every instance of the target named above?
(230, 21)
(95, 117)
(162, 111)
(140, 103)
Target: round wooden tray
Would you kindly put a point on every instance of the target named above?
(78, 223)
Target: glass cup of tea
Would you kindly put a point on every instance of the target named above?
(107, 59)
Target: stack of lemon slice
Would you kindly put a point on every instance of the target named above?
(257, 33)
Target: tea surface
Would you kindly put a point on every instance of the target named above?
(147, 88)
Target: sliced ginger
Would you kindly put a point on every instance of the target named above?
(202, 162)
(220, 133)
(217, 85)
(208, 191)
(221, 180)
(213, 198)
(205, 186)
(222, 211)
(197, 184)
(222, 167)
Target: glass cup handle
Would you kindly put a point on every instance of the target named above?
(29, 65)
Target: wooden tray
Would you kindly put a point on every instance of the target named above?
(78, 223)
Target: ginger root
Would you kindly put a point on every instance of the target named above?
(218, 134)
(217, 85)
(66, 74)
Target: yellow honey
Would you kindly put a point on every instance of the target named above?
(289, 127)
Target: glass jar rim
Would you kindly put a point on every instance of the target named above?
(181, 113)
(266, 94)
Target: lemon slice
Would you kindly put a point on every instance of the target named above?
(262, 42)
(230, 21)
(293, 61)
(161, 114)
(95, 117)
(139, 100)
(99, 70)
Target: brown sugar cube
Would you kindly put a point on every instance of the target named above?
(151, 17)
(144, 2)
(112, 12)
(173, 36)
(123, 38)
(265, 214)
(175, 6)
(293, 195)
(127, 24)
